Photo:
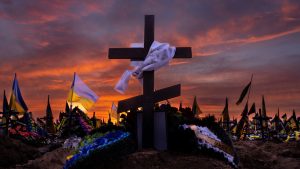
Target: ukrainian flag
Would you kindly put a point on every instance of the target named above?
(16, 102)
(80, 95)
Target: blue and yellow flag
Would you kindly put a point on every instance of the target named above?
(16, 102)
(80, 95)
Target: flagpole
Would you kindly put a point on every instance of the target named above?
(70, 110)
(73, 85)
(247, 126)
(250, 88)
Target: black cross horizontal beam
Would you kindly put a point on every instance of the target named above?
(140, 53)
(127, 53)
(159, 95)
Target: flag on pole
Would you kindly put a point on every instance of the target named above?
(180, 106)
(5, 105)
(67, 108)
(49, 118)
(225, 113)
(292, 121)
(252, 109)
(284, 117)
(263, 111)
(5, 115)
(16, 102)
(244, 92)
(225, 116)
(80, 95)
(196, 109)
(114, 110)
(245, 111)
(243, 121)
(114, 113)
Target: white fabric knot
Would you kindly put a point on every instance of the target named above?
(158, 56)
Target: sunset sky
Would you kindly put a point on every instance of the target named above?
(45, 41)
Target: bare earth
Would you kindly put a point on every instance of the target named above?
(51, 160)
(268, 155)
(253, 154)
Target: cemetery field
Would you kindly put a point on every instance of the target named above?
(252, 154)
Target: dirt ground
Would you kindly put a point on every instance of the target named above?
(15, 152)
(138, 160)
(50, 160)
(166, 160)
(268, 155)
(252, 154)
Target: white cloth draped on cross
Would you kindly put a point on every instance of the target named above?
(158, 56)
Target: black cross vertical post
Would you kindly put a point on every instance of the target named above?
(148, 86)
(149, 97)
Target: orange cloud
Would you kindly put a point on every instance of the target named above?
(45, 42)
(83, 67)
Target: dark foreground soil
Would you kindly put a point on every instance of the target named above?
(15, 152)
(51, 160)
(166, 160)
(138, 160)
(268, 155)
(253, 154)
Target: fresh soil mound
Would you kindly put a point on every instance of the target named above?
(14, 152)
(268, 155)
(50, 160)
(252, 155)
(169, 160)
(150, 159)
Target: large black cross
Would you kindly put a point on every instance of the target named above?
(149, 97)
